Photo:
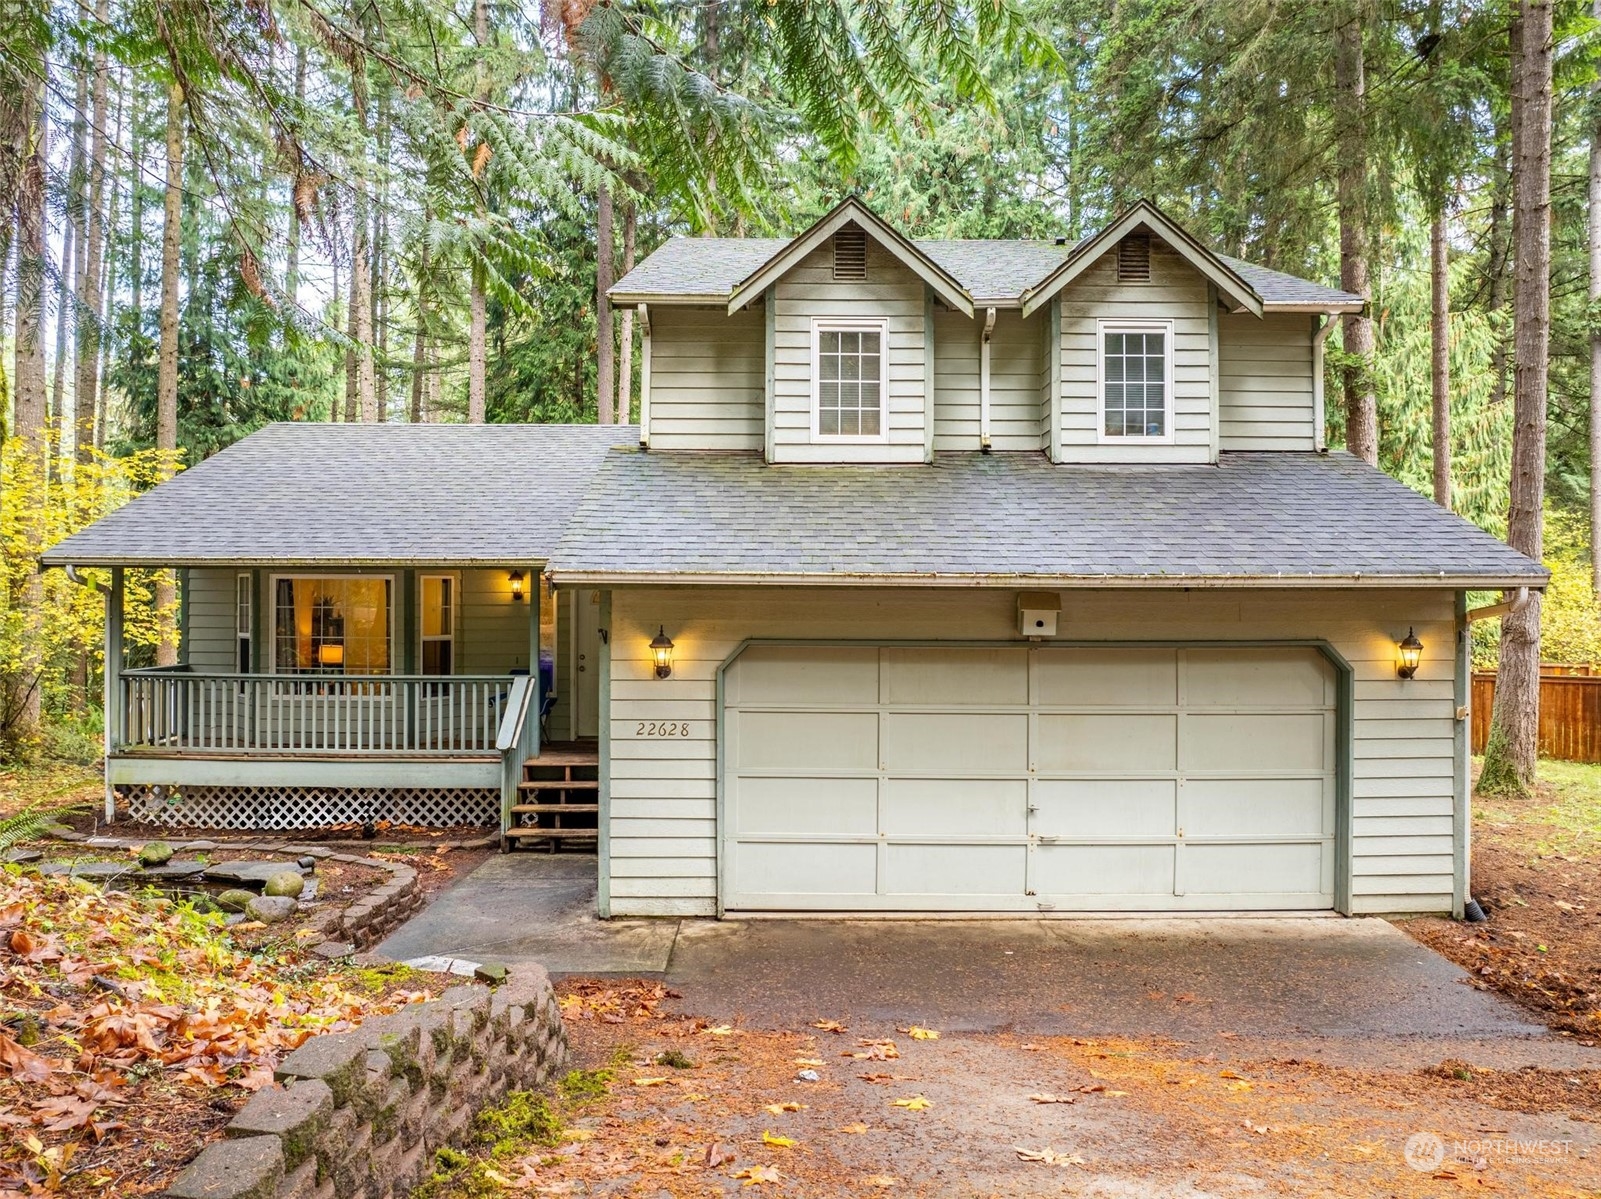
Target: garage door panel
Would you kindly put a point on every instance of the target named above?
(1257, 678)
(1257, 743)
(790, 868)
(955, 807)
(836, 675)
(804, 741)
(1106, 807)
(1258, 869)
(1112, 677)
(1261, 807)
(932, 870)
(1103, 870)
(955, 743)
(955, 677)
(807, 805)
(1121, 743)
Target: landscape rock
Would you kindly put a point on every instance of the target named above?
(307, 862)
(173, 870)
(271, 909)
(493, 973)
(286, 883)
(243, 872)
(101, 871)
(155, 853)
(16, 857)
(235, 900)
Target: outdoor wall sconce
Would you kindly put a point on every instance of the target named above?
(515, 578)
(661, 649)
(1411, 653)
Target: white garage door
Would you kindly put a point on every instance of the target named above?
(1029, 778)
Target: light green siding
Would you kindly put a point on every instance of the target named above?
(1265, 379)
(706, 379)
(1015, 400)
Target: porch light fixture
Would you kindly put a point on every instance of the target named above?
(661, 649)
(515, 578)
(1411, 653)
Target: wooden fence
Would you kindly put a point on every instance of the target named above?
(1570, 712)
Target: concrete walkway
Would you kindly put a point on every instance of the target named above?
(1358, 989)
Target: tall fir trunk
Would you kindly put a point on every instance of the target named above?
(1595, 336)
(1350, 84)
(477, 318)
(292, 254)
(29, 380)
(1440, 354)
(625, 330)
(69, 283)
(1511, 755)
(167, 354)
(366, 396)
(605, 343)
(85, 390)
(419, 345)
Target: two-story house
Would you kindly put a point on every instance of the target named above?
(938, 576)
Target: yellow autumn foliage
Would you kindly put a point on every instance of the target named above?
(1570, 621)
(52, 629)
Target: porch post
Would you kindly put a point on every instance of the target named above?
(536, 603)
(112, 701)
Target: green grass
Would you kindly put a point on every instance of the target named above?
(1563, 817)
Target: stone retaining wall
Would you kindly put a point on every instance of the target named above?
(345, 930)
(359, 1115)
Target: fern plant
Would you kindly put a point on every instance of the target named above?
(29, 823)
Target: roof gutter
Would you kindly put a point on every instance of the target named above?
(1176, 582)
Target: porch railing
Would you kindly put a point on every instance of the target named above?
(192, 713)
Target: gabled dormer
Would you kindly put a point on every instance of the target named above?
(852, 343)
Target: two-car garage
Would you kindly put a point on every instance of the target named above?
(1029, 778)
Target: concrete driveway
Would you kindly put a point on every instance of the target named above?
(1356, 989)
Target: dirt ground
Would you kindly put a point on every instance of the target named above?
(1537, 874)
(693, 1109)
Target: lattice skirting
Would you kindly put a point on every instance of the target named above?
(268, 808)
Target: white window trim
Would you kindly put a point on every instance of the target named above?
(1102, 328)
(244, 610)
(272, 615)
(455, 619)
(879, 325)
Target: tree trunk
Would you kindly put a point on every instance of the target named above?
(1511, 755)
(625, 332)
(28, 380)
(69, 283)
(605, 347)
(1595, 337)
(419, 346)
(85, 390)
(292, 266)
(366, 396)
(1440, 347)
(477, 332)
(1361, 402)
(167, 356)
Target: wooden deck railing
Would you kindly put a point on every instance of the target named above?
(1570, 713)
(180, 711)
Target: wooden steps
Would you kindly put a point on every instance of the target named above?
(557, 806)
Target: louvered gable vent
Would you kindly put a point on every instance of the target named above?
(1134, 259)
(850, 253)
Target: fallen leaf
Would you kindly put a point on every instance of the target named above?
(780, 1142)
(1032, 1048)
(1115, 1093)
(649, 1082)
(721, 1030)
(21, 1062)
(1047, 1097)
(829, 1025)
(920, 1034)
(881, 1180)
(854, 1129)
(715, 1156)
(808, 1061)
(1090, 1088)
(1048, 1156)
(753, 1175)
(1239, 1086)
(694, 1097)
(1229, 1074)
(778, 1109)
(874, 1051)
(915, 1104)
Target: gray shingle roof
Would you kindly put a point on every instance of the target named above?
(994, 271)
(352, 494)
(1255, 518)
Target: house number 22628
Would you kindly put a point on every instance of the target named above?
(662, 728)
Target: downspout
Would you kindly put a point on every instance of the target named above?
(644, 377)
(1505, 608)
(1319, 415)
(984, 382)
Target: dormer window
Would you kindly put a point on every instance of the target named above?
(848, 380)
(1135, 362)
